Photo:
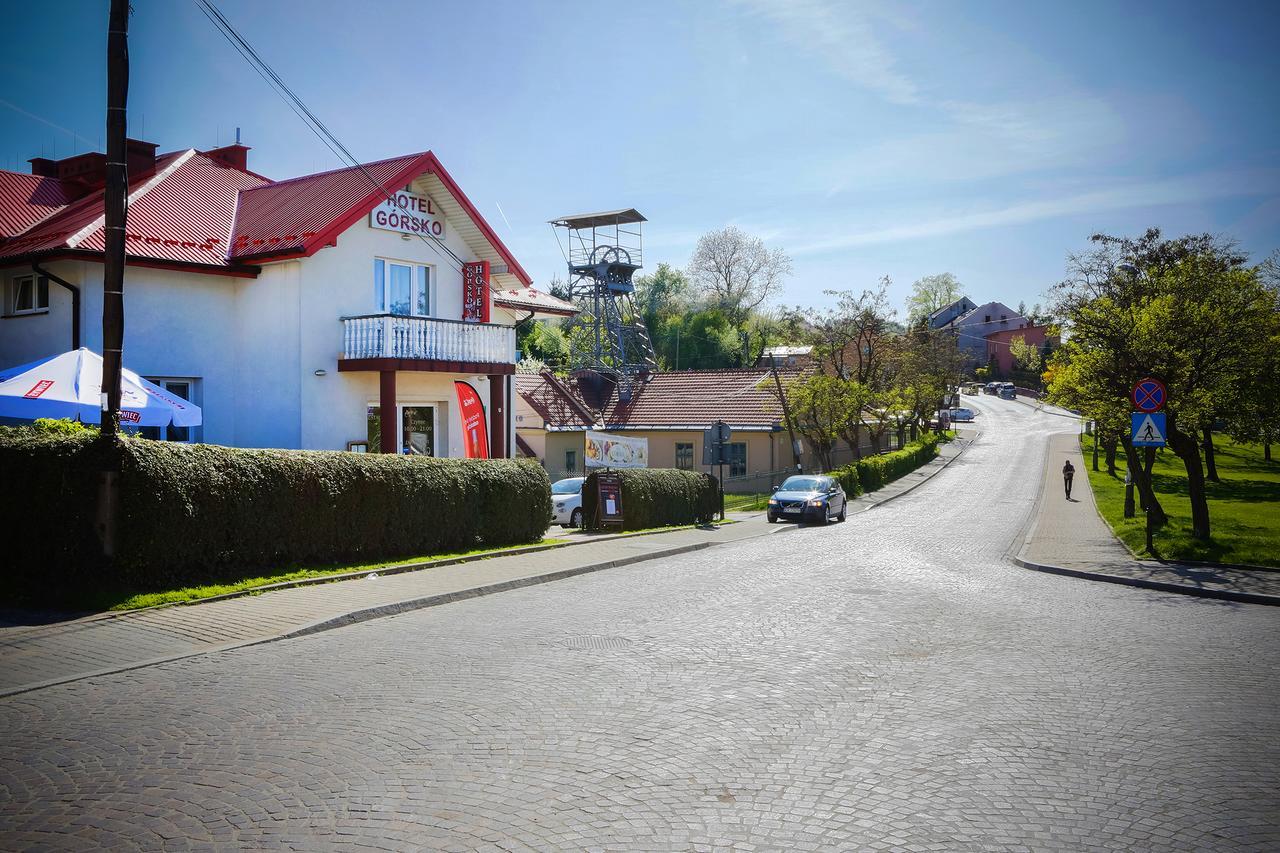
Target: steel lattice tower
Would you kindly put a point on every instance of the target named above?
(608, 343)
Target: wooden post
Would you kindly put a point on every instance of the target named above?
(390, 437)
(115, 193)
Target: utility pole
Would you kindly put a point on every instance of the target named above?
(115, 194)
(786, 412)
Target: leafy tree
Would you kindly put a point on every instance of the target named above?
(932, 292)
(822, 406)
(665, 291)
(1025, 356)
(736, 272)
(1186, 311)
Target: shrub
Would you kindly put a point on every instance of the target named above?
(657, 497)
(873, 472)
(203, 513)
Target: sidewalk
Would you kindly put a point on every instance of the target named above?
(1070, 538)
(41, 655)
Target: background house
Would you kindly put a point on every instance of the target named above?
(999, 353)
(972, 328)
(671, 410)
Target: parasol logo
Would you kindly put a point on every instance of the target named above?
(39, 388)
(128, 417)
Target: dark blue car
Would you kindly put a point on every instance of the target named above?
(814, 498)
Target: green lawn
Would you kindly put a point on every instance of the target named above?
(745, 503)
(98, 600)
(1244, 509)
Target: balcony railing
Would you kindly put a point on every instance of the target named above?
(394, 336)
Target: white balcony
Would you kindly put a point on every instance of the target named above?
(426, 338)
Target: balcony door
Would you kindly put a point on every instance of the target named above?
(401, 288)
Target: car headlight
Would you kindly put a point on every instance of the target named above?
(773, 500)
(559, 507)
(818, 502)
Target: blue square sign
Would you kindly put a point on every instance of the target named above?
(1148, 429)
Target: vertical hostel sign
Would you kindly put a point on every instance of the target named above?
(475, 436)
(475, 292)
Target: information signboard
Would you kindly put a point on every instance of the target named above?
(609, 499)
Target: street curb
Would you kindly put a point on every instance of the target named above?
(409, 605)
(389, 569)
(967, 444)
(392, 609)
(1028, 533)
(1200, 592)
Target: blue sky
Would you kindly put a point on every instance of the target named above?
(985, 139)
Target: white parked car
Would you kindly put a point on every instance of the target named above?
(566, 501)
(961, 414)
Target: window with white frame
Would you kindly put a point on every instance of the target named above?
(27, 294)
(185, 389)
(403, 288)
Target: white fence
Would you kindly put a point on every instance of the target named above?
(392, 336)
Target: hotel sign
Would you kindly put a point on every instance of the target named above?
(408, 213)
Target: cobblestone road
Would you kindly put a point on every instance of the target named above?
(889, 683)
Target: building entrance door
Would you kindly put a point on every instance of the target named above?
(418, 430)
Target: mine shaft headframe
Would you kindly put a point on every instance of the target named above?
(605, 248)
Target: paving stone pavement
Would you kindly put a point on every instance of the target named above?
(1071, 535)
(890, 683)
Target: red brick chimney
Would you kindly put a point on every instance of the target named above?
(235, 156)
(84, 173)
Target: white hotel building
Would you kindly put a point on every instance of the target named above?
(321, 312)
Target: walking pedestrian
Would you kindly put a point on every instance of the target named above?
(1068, 472)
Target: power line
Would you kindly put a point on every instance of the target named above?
(301, 110)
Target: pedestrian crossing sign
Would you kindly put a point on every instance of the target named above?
(1148, 429)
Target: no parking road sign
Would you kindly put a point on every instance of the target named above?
(1147, 429)
(1149, 395)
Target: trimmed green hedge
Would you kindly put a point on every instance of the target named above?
(657, 497)
(204, 513)
(873, 472)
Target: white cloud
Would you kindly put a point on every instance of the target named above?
(1192, 189)
(841, 37)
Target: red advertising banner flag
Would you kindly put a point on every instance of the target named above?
(475, 292)
(475, 434)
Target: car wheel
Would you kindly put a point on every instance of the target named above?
(843, 510)
(773, 519)
(575, 520)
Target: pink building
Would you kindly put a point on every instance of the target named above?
(998, 345)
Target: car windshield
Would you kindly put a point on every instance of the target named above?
(567, 487)
(804, 484)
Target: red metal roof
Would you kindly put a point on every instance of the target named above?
(289, 216)
(197, 210)
(27, 199)
(692, 399)
(538, 301)
(303, 215)
(181, 213)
